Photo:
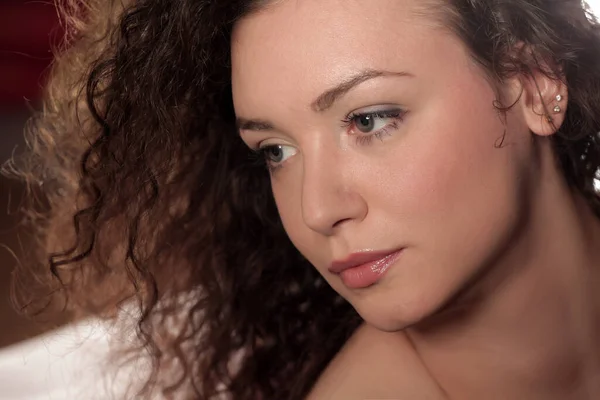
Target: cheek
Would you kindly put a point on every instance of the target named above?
(454, 205)
(287, 192)
(459, 172)
(458, 201)
(451, 169)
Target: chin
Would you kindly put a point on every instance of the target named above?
(396, 311)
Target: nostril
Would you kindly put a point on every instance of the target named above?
(341, 222)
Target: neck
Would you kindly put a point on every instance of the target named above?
(529, 328)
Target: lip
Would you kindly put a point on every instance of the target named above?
(357, 259)
(360, 270)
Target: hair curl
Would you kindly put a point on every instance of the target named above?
(143, 191)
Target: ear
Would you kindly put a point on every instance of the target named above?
(543, 102)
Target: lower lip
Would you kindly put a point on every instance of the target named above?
(368, 274)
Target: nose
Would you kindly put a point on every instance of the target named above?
(330, 195)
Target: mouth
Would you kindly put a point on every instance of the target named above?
(364, 269)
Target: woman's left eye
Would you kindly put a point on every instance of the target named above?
(366, 125)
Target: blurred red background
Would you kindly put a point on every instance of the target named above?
(28, 30)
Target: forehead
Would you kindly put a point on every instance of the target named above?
(304, 46)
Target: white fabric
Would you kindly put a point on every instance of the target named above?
(66, 364)
(595, 6)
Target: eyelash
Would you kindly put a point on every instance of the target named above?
(365, 139)
(259, 158)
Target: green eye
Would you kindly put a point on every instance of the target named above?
(365, 123)
(274, 153)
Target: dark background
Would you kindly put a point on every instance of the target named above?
(28, 30)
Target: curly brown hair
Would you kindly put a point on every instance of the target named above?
(142, 190)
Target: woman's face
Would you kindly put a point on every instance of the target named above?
(383, 140)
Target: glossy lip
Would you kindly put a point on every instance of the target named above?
(357, 259)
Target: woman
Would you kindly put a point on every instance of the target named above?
(426, 226)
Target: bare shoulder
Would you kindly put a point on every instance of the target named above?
(375, 365)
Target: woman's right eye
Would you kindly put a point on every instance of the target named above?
(276, 154)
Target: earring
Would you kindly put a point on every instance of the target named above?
(557, 108)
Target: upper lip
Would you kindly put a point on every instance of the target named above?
(357, 259)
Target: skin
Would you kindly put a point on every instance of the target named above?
(493, 295)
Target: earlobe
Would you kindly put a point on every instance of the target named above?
(544, 103)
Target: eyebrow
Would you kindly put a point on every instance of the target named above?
(330, 96)
(326, 99)
(244, 124)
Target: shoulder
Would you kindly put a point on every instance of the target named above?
(375, 364)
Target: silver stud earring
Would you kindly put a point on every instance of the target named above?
(556, 108)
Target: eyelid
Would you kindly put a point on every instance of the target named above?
(272, 142)
(379, 108)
